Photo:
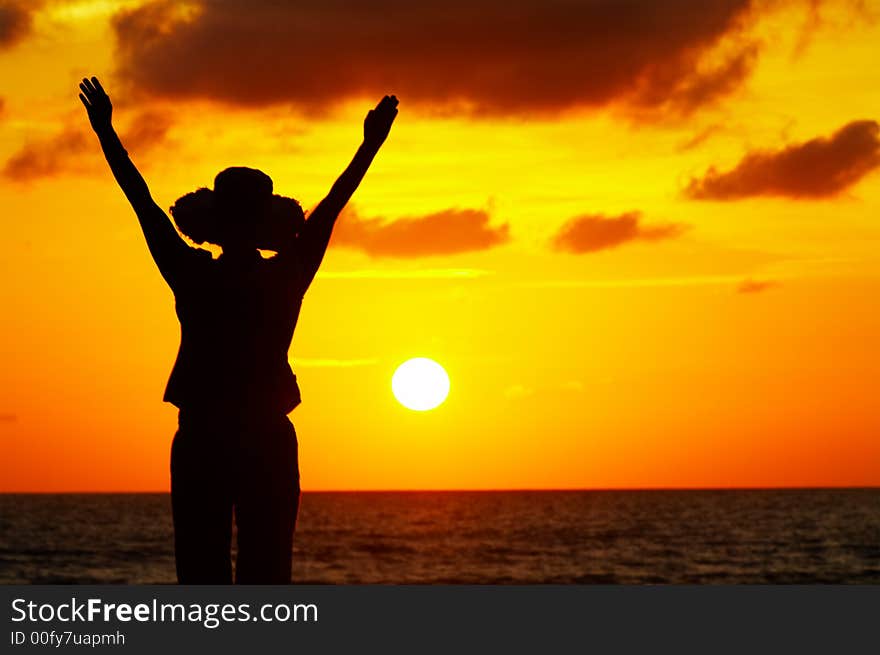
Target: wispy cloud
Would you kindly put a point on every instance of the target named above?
(755, 286)
(700, 137)
(765, 278)
(74, 149)
(47, 157)
(684, 281)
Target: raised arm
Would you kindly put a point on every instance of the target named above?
(315, 235)
(169, 251)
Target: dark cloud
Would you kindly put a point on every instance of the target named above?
(68, 150)
(593, 232)
(817, 168)
(442, 233)
(755, 286)
(15, 22)
(490, 56)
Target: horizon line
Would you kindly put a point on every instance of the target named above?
(492, 490)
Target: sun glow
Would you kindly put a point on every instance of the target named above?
(420, 384)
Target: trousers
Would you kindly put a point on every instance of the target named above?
(241, 467)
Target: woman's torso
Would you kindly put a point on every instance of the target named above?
(237, 320)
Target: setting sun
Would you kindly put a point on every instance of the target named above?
(420, 384)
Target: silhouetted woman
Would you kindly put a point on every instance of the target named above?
(235, 448)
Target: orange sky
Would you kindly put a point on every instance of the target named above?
(610, 312)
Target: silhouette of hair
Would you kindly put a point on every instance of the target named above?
(246, 194)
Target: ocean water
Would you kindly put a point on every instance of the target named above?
(522, 537)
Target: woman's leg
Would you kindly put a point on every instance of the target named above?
(201, 503)
(266, 504)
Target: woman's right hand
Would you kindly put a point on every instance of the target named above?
(97, 103)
